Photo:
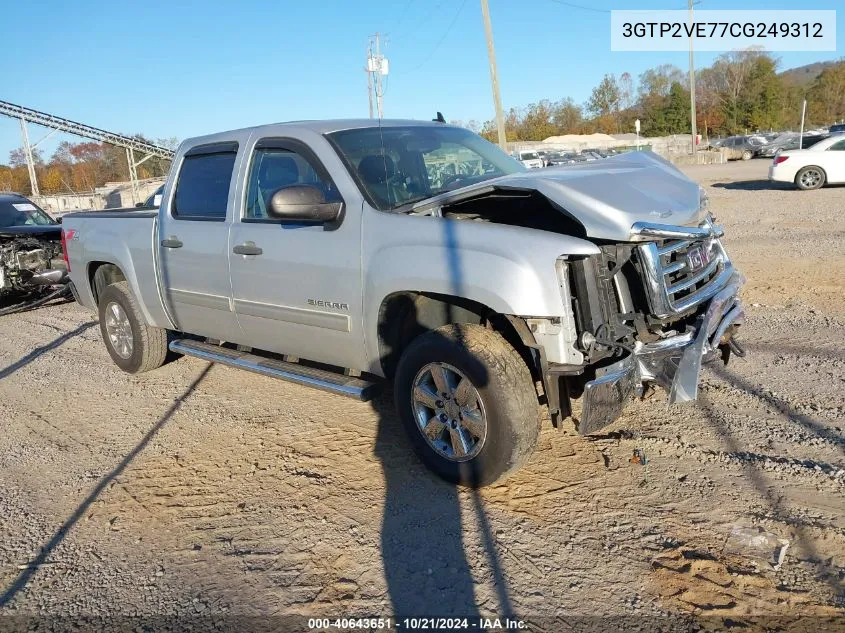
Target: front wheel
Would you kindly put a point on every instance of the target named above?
(747, 155)
(468, 404)
(810, 177)
(134, 346)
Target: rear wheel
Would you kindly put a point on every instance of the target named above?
(468, 404)
(747, 155)
(134, 346)
(810, 177)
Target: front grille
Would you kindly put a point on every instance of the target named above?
(680, 274)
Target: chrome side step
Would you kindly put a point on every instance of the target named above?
(350, 386)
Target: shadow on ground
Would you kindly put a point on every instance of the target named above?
(47, 347)
(48, 548)
(755, 185)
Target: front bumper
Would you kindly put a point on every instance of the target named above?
(674, 363)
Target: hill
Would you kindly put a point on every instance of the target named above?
(804, 75)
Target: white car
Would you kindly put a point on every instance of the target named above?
(528, 158)
(821, 164)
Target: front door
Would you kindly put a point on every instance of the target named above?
(193, 244)
(296, 286)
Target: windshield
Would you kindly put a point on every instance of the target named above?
(21, 212)
(528, 155)
(398, 166)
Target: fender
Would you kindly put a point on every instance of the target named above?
(509, 269)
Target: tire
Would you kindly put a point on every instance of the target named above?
(810, 177)
(148, 347)
(747, 155)
(501, 387)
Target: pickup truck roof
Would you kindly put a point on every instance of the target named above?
(317, 126)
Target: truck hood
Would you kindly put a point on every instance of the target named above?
(606, 196)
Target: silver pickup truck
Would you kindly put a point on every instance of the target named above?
(336, 254)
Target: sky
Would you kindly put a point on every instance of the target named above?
(180, 69)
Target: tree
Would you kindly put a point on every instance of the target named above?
(17, 157)
(51, 180)
(826, 97)
(567, 116)
(604, 99)
(658, 81)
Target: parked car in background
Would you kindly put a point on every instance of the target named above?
(823, 163)
(790, 141)
(153, 201)
(30, 249)
(544, 157)
(563, 158)
(529, 158)
(739, 147)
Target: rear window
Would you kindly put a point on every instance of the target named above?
(202, 191)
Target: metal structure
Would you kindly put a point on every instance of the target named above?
(377, 69)
(59, 124)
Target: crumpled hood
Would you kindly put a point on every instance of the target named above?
(608, 196)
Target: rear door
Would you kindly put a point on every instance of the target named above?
(834, 162)
(193, 242)
(296, 286)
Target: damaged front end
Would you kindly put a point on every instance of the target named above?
(670, 305)
(31, 262)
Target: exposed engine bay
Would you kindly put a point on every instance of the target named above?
(29, 264)
(32, 266)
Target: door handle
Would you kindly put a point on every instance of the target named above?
(171, 242)
(249, 248)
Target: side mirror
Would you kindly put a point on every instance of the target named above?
(139, 204)
(302, 203)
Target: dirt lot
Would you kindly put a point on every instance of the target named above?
(202, 490)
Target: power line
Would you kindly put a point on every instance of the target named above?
(401, 16)
(425, 19)
(442, 39)
(572, 5)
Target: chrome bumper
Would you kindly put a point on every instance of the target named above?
(674, 363)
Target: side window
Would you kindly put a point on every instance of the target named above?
(202, 190)
(839, 146)
(274, 168)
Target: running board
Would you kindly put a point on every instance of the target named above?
(350, 386)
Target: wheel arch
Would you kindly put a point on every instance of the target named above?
(405, 315)
(102, 274)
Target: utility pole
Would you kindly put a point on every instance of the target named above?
(692, 85)
(377, 69)
(801, 134)
(30, 163)
(369, 76)
(379, 79)
(491, 53)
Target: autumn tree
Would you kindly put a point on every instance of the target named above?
(826, 97)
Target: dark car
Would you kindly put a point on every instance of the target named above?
(837, 128)
(746, 147)
(790, 141)
(30, 247)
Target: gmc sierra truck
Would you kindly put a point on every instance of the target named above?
(337, 254)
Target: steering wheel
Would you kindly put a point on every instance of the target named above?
(448, 180)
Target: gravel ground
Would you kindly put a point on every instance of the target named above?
(197, 489)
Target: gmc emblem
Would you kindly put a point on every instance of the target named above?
(698, 257)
